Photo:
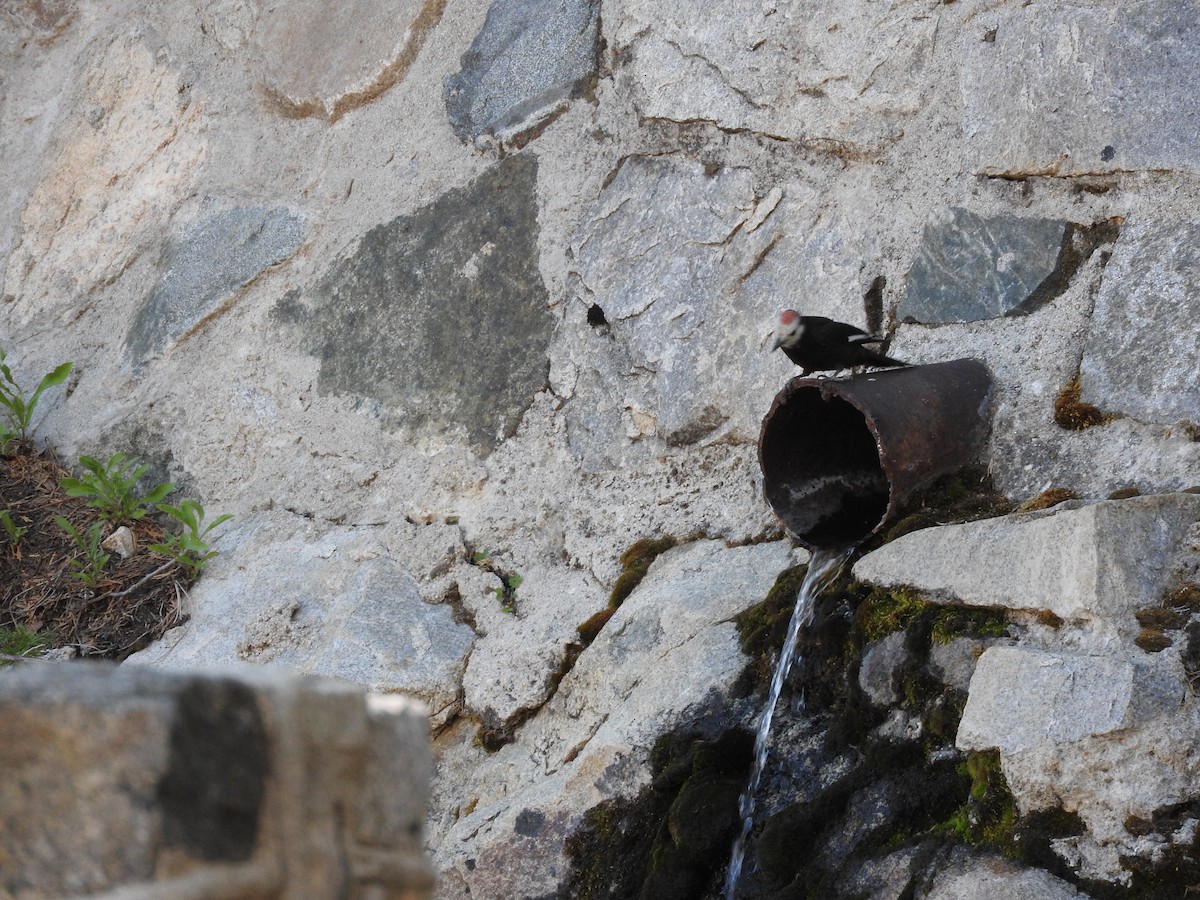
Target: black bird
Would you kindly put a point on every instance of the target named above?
(817, 344)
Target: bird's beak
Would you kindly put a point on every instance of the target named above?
(774, 339)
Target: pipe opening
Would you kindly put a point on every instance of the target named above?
(822, 474)
(839, 456)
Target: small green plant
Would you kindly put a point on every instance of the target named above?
(20, 642)
(16, 411)
(90, 567)
(109, 486)
(480, 555)
(507, 593)
(15, 532)
(188, 548)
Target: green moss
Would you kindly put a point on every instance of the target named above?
(963, 496)
(1185, 597)
(21, 642)
(589, 629)
(957, 621)
(886, 611)
(635, 562)
(670, 840)
(1152, 640)
(762, 627)
(989, 816)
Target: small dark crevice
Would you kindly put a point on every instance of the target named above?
(873, 304)
(595, 316)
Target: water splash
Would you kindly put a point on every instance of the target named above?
(823, 567)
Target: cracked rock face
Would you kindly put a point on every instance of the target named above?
(668, 652)
(662, 252)
(1076, 89)
(846, 72)
(336, 604)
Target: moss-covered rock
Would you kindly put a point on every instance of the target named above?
(673, 838)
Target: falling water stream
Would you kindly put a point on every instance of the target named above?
(822, 569)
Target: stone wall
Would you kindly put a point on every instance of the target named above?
(242, 784)
(450, 303)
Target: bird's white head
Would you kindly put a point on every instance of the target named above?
(788, 330)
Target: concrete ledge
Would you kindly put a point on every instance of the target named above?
(244, 783)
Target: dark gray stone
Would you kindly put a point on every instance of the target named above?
(440, 317)
(204, 266)
(1143, 346)
(528, 59)
(970, 268)
(1076, 88)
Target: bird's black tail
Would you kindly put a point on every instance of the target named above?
(874, 358)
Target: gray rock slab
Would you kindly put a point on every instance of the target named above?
(954, 661)
(1081, 561)
(1074, 88)
(969, 267)
(438, 320)
(1142, 352)
(1021, 698)
(526, 63)
(333, 604)
(204, 266)
(321, 59)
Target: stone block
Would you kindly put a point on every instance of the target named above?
(1021, 698)
(238, 783)
(1081, 561)
(1141, 356)
(526, 63)
(1077, 88)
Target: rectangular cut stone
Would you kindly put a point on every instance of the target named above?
(1020, 698)
(1071, 89)
(1143, 347)
(1080, 561)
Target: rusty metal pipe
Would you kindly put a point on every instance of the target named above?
(839, 456)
